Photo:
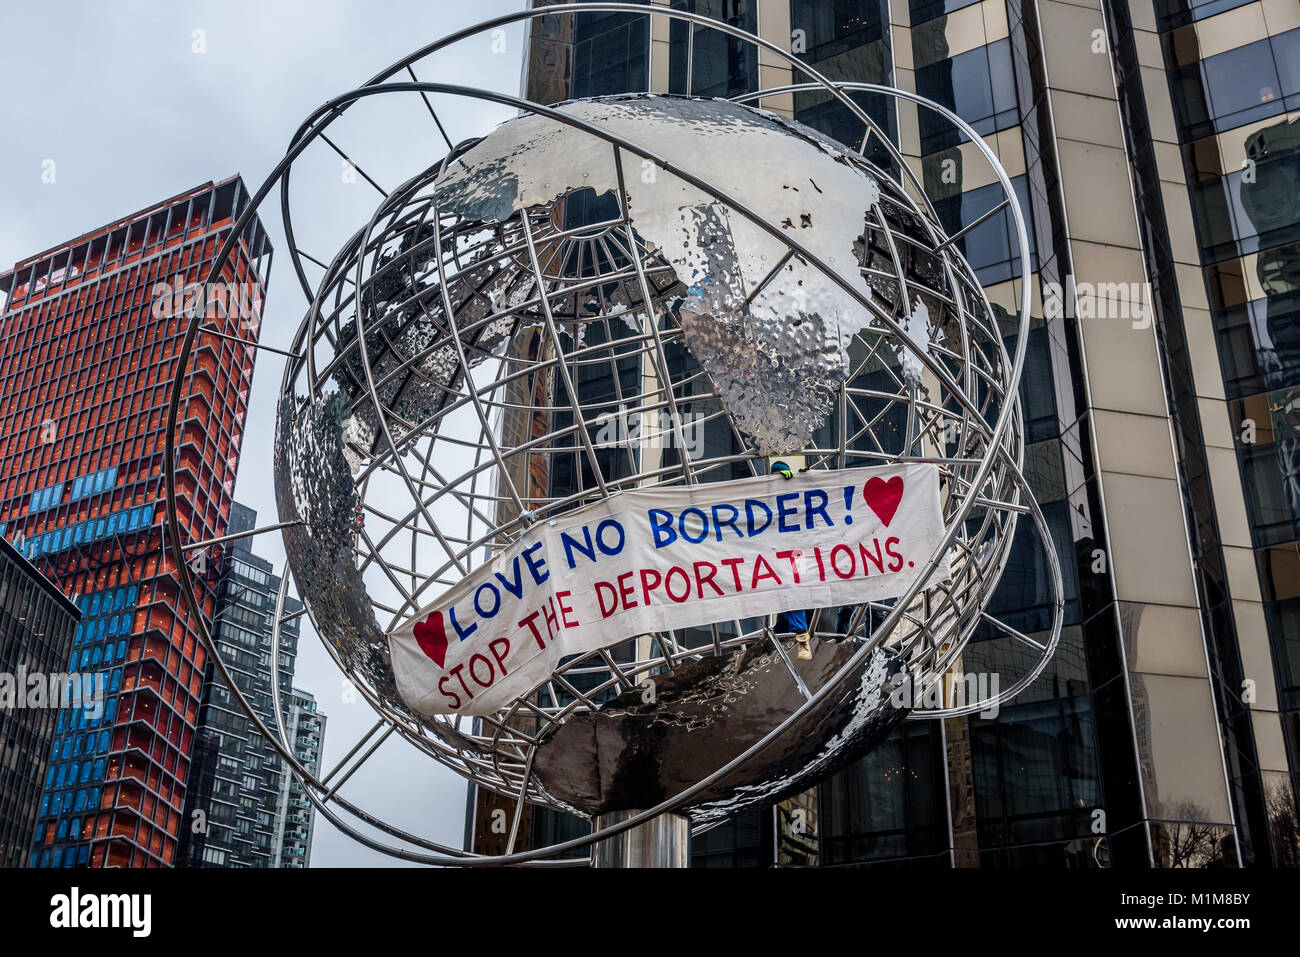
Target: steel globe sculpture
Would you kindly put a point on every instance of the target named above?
(630, 293)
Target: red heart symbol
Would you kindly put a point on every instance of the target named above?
(883, 497)
(432, 638)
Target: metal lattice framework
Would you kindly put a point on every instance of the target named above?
(453, 349)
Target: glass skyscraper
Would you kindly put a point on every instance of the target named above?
(89, 336)
(295, 815)
(36, 626)
(1153, 146)
(233, 806)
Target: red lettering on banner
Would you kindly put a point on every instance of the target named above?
(473, 671)
(875, 559)
(761, 563)
(732, 563)
(686, 582)
(889, 550)
(646, 586)
(680, 583)
(794, 556)
(548, 615)
(835, 561)
(455, 673)
(482, 669)
(500, 655)
(626, 591)
(450, 695)
(566, 610)
(600, 599)
(702, 580)
(530, 620)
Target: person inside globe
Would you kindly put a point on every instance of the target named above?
(796, 622)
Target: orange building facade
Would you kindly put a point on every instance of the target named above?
(90, 334)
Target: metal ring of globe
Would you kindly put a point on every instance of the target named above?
(1001, 443)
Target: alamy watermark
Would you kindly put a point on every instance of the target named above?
(241, 301)
(75, 910)
(953, 690)
(1103, 300)
(649, 429)
(33, 690)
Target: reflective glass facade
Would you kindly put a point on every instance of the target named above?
(295, 815)
(89, 333)
(236, 776)
(36, 626)
(1151, 145)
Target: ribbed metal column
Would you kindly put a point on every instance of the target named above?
(663, 841)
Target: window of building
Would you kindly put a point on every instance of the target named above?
(991, 247)
(723, 65)
(610, 53)
(925, 10)
(1239, 86)
(978, 85)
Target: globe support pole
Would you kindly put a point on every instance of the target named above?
(663, 841)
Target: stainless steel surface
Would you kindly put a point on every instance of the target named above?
(663, 841)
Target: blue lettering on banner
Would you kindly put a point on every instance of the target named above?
(695, 525)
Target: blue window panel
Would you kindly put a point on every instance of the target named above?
(45, 498)
(95, 482)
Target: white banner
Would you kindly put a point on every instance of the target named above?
(656, 559)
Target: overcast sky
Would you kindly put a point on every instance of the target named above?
(132, 105)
